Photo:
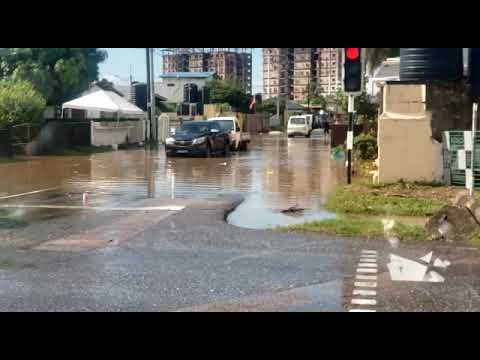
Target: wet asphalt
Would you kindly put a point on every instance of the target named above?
(193, 260)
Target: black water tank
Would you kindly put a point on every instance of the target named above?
(419, 64)
(139, 95)
(191, 93)
(194, 93)
(205, 94)
(475, 72)
(186, 93)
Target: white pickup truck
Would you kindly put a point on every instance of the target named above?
(239, 139)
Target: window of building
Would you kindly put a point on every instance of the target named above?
(170, 85)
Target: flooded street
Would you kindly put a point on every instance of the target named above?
(136, 231)
(275, 174)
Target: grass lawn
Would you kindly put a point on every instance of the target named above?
(403, 199)
(357, 202)
(358, 227)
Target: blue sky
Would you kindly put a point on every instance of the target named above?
(121, 60)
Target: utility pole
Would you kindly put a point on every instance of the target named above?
(278, 105)
(308, 90)
(154, 124)
(149, 113)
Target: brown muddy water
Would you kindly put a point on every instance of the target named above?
(275, 174)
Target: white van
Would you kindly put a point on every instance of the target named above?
(300, 125)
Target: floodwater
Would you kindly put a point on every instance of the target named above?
(275, 174)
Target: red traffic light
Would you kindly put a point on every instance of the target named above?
(352, 53)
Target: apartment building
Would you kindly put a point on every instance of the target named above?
(290, 71)
(278, 72)
(329, 71)
(233, 65)
(304, 72)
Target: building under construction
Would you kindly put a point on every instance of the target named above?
(233, 64)
(278, 72)
(289, 72)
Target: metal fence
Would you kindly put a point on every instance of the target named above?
(5, 142)
(457, 155)
(45, 137)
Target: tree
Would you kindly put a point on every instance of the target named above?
(222, 91)
(57, 73)
(365, 107)
(20, 102)
(375, 56)
(340, 101)
(364, 104)
(314, 97)
(270, 106)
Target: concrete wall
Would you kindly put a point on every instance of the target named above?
(404, 99)
(107, 133)
(406, 147)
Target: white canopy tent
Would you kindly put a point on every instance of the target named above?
(106, 101)
(110, 102)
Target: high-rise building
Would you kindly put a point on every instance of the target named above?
(229, 64)
(304, 72)
(290, 71)
(278, 72)
(329, 71)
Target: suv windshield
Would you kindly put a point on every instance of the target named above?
(297, 121)
(226, 125)
(194, 128)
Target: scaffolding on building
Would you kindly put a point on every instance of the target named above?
(233, 64)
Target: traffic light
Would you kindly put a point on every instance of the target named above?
(353, 70)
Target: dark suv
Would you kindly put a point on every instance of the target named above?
(198, 138)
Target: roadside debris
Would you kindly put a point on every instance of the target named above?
(293, 210)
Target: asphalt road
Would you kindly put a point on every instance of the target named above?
(153, 236)
(191, 260)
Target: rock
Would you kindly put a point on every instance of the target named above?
(461, 199)
(452, 223)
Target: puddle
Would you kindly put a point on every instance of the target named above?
(253, 214)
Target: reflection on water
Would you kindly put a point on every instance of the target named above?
(275, 174)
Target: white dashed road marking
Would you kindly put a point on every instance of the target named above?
(367, 271)
(367, 284)
(361, 292)
(98, 208)
(368, 260)
(365, 265)
(364, 289)
(366, 277)
(364, 302)
(27, 193)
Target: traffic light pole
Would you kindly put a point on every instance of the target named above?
(470, 173)
(351, 107)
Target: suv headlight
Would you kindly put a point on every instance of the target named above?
(199, 141)
(170, 141)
